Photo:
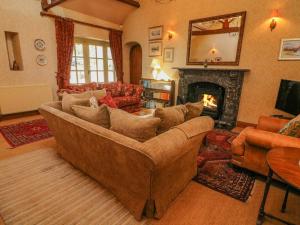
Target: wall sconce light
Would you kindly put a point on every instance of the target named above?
(170, 34)
(49, 2)
(275, 15)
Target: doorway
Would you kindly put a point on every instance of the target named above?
(135, 61)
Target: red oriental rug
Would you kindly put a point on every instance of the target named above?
(26, 132)
(215, 170)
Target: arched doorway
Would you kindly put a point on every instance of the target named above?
(135, 61)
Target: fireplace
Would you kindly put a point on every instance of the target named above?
(220, 89)
(212, 96)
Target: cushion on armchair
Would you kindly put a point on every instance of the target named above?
(292, 128)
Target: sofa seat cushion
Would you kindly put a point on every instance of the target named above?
(126, 101)
(99, 116)
(194, 109)
(135, 127)
(292, 128)
(170, 117)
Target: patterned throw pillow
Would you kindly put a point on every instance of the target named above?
(292, 128)
(94, 102)
(109, 101)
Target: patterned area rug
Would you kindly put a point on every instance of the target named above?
(26, 132)
(215, 170)
(41, 188)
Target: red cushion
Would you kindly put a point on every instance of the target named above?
(126, 100)
(109, 101)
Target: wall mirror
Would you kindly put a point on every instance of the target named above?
(216, 40)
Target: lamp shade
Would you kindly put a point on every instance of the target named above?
(155, 64)
(275, 13)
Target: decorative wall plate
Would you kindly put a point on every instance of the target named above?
(39, 44)
(41, 60)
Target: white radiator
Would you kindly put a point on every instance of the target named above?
(15, 99)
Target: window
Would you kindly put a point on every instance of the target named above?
(91, 62)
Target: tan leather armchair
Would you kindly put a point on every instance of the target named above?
(251, 146)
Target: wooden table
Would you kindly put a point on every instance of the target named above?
(284, 162)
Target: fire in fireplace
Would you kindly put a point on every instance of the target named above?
(209, 101)
(212, 96)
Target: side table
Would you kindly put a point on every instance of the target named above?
(284, 162)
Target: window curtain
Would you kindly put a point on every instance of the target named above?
(115, 40)
(65, 42)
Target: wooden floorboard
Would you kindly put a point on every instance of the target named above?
(197, 204)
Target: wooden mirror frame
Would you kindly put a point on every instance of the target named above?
(239, 47)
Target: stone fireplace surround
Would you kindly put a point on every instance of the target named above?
(230, 79)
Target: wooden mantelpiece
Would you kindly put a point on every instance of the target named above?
(211, 69)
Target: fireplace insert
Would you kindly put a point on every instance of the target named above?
(211, 94)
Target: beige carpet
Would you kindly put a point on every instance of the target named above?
(40, 188)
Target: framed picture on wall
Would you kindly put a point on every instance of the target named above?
(290, 49)
(169, 55)
(156, 33)
(155, 49)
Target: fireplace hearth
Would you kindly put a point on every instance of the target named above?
(220, 89)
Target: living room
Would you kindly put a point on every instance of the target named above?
(150, 112)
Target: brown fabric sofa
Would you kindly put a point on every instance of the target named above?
(145, 177)
(251, 146)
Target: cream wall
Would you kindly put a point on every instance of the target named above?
(24, 17)
(259, 51)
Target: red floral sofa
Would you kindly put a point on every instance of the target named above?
(125, 96)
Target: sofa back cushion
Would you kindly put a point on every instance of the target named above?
(135, 127)
(292, 128)
(99, 116)
(170, 117)
(114, 88)
(127, 89)
(194, 109)
(68, 100)
(99, 93)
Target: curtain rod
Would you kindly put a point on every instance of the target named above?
(78, 22)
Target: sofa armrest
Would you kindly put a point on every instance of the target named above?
(171, 145)
(238, 144)
(263, 139)
(138, 90)
(271, 124)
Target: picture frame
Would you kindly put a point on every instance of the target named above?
(169, 55)
(156, 33)
(289, 49)
(155, 49)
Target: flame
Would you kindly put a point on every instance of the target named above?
(209, 101)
